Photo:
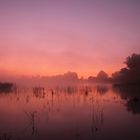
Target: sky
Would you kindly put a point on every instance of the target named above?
(49, 37)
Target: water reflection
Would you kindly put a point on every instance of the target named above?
(5, 136)
(66, 112)
(131, 94)
(102, 89)
(39, 92)
(32, 121)
(6, 87)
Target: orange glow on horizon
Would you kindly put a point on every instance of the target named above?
(51, 40)
(43, 71)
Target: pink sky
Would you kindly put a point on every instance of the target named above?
(50, 37)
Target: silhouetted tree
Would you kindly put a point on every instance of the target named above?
(70, 76)
(92, 79)
(130, 74)
(102, 76)
(133, 61)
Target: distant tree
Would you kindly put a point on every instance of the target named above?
(92, 79)
(71, 76)
(102, 75)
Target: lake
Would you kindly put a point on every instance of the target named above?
(72, 112)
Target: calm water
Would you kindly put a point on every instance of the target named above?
(84, 112)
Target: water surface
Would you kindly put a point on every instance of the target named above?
(77, 112)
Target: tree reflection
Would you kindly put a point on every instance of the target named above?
(39, 92)
(6, 87)
(102, 89)
(131, 94)
(133, 105)
(5, 136)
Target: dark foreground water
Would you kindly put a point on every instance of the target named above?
(83, 112)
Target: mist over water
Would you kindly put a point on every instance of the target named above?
(73, 111)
